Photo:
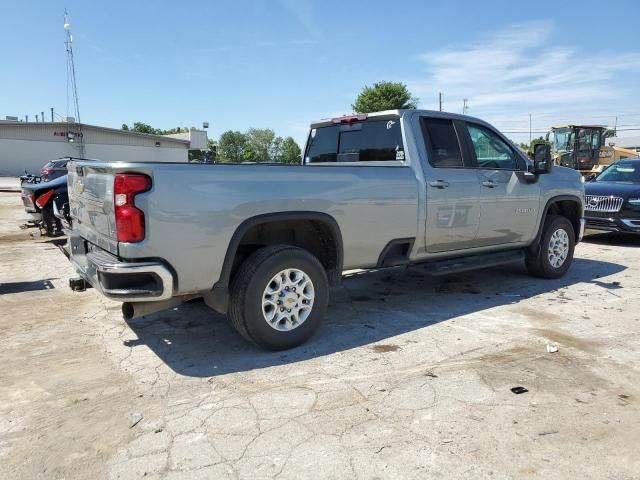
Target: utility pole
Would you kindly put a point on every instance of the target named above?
(529, 131)
(464, 105)
(72, 84)
(440, 100)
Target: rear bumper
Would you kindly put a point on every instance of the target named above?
(120, 280)
(612, 224)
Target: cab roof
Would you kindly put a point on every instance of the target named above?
(387, 114)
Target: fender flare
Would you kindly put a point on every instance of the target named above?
(536, 241)
(218, 297)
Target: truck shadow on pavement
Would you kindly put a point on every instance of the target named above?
(20, 287)
(367, 308)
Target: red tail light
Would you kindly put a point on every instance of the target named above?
(43, 199)
(129, 219)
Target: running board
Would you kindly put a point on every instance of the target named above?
(473, 262)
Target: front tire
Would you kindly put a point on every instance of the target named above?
(279, 297)
(555, 252)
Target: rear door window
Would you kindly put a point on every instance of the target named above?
(442, 143)
(371, 141)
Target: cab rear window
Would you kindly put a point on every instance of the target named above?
(370, 141)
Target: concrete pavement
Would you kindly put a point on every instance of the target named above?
(410, 377)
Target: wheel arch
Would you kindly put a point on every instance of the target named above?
(569, 206)
(316, 232)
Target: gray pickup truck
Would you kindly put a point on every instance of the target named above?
(263, 242)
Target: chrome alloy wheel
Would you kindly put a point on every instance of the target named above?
(288, 299)
(558, 250)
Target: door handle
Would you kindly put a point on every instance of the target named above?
(439, 184)
(489, 183)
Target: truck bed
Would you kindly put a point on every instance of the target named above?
(192, 210)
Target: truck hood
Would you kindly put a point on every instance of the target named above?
(616, 189)
(566, 173)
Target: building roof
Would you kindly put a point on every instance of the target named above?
(118, 131)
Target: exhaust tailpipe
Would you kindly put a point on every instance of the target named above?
(131, 310)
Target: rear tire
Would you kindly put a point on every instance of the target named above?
(279, 297)
(555, 251)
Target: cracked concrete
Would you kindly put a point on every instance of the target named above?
(409, 377)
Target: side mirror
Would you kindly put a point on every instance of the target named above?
(591, 177)
(542, 161)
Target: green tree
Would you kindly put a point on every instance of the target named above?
(275, 150)
(291, 152)
(175, 130)
(529, 147)
(384, 96)
(249, 154)
(231, 147)
(141, 127)
(535, 141)
(212, 151)
(261, 143)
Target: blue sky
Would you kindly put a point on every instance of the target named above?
(283, 63)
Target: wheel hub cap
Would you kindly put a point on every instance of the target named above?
(288, 299)
(558, 250)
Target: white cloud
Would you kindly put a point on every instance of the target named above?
(519, 69)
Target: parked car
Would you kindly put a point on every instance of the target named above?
(42, 201)
(54, 169)
(263, 242)
(612, 199)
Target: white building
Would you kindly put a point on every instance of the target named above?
(29, 145)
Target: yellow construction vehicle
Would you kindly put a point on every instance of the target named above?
(583, 148)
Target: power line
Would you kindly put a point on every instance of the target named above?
(545, 131)
(523, 131)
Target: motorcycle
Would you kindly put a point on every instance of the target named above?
(29, 178)
(48, 205)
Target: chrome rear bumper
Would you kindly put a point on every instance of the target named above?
(121, 280)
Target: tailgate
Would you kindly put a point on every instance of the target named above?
(91, 204)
